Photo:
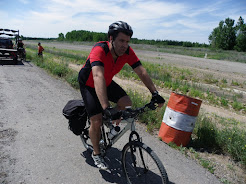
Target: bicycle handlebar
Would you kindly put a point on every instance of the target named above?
(132, 113)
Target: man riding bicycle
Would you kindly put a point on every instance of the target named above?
(105, 60)
(20, 48)
(20, 44)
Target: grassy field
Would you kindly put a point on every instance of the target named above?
(212, 133)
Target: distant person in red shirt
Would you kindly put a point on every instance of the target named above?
(40, 49)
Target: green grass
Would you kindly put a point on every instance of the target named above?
(72, 79)
(230, 139)
(78, 57)
(59, 69)
(224, 102)
(205, 133)
(210, 136)
(152, 119)
(209, 79)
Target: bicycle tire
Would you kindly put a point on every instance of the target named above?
(147, 168)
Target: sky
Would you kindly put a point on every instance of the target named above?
(179, 20)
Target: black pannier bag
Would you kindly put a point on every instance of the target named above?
(76, 113)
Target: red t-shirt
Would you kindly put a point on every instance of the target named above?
(40, 49)
(101, 56)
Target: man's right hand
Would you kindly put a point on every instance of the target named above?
(112, 113)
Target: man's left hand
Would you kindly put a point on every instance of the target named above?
(156, 98)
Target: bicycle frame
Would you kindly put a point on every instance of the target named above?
(130, 125)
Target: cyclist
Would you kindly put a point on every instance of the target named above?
(105, 60)
(20, 44)
(20, 48)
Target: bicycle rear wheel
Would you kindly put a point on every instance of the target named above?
(24, 57)
(141, 165)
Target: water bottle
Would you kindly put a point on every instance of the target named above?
(113, 131)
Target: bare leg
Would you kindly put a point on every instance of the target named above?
(95, 132)
(123, 102)
(96, 122)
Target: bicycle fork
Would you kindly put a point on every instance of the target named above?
(133, 150)
(102, 143)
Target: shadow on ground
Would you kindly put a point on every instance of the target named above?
(9, 62)
(115, 172)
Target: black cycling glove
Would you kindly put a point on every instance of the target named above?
(112, 113)
(156, 98)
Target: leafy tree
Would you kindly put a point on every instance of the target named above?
(61, 36)
(224, 36)
(241, 35)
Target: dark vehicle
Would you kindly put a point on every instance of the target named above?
(6, 43)
(7, 50)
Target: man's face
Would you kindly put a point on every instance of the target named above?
(121, 43)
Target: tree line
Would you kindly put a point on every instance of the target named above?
(82, 35)
(226, 36)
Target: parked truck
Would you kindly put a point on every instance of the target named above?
(9, 51)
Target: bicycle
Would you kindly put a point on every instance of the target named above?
(140, 163)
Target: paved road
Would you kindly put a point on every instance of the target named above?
(36, 146)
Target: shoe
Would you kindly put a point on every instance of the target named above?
(99, 161)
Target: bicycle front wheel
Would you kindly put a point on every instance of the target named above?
(141, 165)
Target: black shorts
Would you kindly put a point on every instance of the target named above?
(92, 104)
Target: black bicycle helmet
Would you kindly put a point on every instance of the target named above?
(120, 26)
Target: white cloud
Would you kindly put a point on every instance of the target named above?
(195, 25)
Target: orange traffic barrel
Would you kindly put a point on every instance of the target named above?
(179, 119)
